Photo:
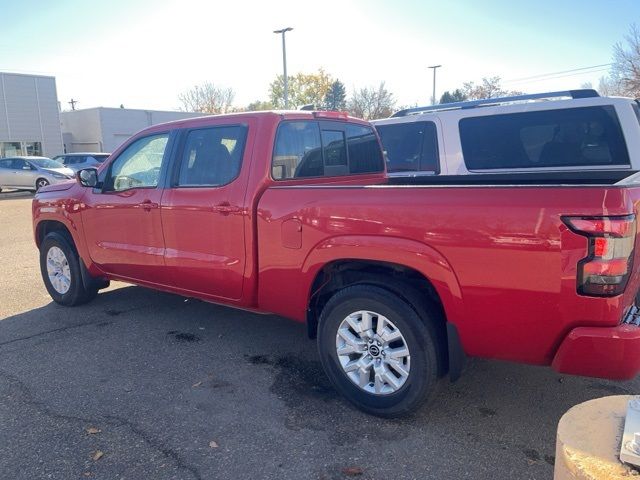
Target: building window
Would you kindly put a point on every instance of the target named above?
(10, 149)
(32, 149)
(15, 149)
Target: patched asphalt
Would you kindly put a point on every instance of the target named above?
(182, 389)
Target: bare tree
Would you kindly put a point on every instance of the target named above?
(489, 88)
(625, 71)
(207, 98)
(608, 86)
(370, 103)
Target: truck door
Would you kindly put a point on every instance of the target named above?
(203, 213)
(121, 220)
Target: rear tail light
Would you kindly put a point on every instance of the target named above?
(605, 271)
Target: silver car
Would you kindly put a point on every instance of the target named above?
(78, 161)
(32, 173)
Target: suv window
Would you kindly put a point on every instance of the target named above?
(138, 166)
(6, 163)
(411, 146)
(310, 148)
(212, 156)
(585, 136)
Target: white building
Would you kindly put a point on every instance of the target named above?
(29, 118)
(105, 129)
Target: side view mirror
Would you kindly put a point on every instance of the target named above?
(87, 177)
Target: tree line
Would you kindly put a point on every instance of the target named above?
(318, 89)
(324, 92)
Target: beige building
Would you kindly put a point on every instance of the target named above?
(104, 129)
(29, 116)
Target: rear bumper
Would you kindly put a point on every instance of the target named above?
(610, 352)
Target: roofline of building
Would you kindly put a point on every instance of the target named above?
(28, 75)
(131, 110)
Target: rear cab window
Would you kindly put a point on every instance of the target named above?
(410, 146)
(320, 148)
(570, 137)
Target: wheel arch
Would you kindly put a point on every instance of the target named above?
(44, 227)
(412, 270)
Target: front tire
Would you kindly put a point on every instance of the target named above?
(377, 351)
(41, 182)
(60, 269)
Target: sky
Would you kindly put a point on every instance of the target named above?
(144, 53)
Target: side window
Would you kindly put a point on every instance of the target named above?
(298, 151)
(212, 156)
(5, 163)
(19, 164)
(410, 146)
(365, 155)
(311, 149)
(138, 166)
(585, 136)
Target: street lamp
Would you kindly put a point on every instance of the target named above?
(433, 98)
(284, 64)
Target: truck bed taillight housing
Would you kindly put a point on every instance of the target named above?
(605, 271)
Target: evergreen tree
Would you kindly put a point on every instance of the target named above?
(336, 97)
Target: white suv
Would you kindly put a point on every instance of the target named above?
(547, 132)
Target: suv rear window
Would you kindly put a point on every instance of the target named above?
(410, 147)
(321, 148)
(585, 136)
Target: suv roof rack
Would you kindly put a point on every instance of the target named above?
(582, 93)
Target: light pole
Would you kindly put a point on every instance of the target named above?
(284, 64)
(433, 98)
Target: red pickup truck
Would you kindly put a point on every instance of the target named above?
(399, 279)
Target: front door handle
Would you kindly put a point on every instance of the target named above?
(147, 205)
(226, 208)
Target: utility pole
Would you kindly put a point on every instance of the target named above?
(433, 98)
(73, 102)
(283, 31)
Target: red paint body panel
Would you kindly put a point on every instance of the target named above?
(500, 257)
(600, 352)
(502, 261)
(122, 235)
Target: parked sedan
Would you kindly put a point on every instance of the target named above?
(78, 161)
(32, 173)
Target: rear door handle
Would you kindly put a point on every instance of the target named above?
(148, 205)
(226, 208)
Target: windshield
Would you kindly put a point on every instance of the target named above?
(46, 163)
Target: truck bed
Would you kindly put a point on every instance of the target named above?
(502, 259)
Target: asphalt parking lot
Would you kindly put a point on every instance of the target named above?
(146, 385)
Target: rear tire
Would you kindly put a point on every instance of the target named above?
(60, 269)
(396, 386)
